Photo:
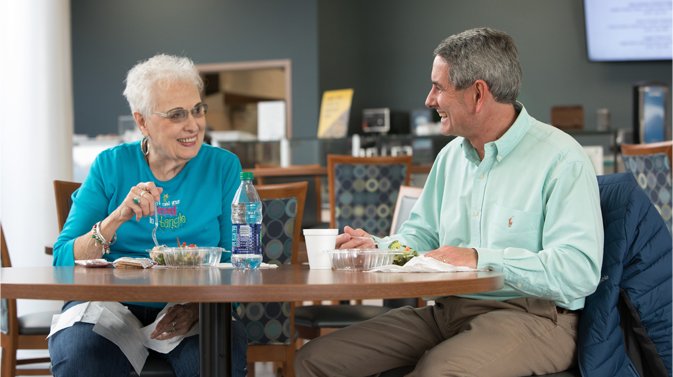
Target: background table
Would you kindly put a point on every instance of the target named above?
(215, 289)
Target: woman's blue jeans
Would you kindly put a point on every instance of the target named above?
(78, 351)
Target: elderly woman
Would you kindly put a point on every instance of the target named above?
(171, 171)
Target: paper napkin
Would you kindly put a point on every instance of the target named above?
(422, 264)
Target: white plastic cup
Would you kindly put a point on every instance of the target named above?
(318, 244)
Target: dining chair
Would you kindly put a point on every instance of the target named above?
(24, 332)
(651, 165)
(363, 190)
(63, 193)
(270, 325)
(316, 320)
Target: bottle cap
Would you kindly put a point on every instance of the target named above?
(246, 175)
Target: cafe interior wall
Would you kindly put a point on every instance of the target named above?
(381, 48)
(385, 54)
(36, 128)
(109, 37)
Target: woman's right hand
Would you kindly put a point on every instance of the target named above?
(139, 202)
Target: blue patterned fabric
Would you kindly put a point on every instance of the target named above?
(365, 195)
(269, 322)
(653, 173)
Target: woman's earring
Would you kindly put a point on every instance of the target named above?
(144, 147)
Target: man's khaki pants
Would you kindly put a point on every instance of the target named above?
(454, 337)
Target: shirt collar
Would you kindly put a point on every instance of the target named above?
(507, 142)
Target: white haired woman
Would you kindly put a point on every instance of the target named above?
(190, 185)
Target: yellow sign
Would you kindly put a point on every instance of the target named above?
(334, 112)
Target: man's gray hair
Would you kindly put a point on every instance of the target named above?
(483, 54)
(154, 74)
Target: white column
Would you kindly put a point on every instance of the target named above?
(36, 126)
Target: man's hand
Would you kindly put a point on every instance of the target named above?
(457, 256)
(354, 239)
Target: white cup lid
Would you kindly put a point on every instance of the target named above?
(321, 232)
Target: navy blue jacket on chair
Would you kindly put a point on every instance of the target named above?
(625, 327)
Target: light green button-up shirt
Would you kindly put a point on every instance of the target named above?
(530, 208)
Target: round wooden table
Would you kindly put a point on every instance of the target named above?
(215, 289)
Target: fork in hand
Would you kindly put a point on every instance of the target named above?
(156, 225)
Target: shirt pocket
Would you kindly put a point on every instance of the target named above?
(509, 227)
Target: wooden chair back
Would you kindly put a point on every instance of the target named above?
(665, 147)
(4, 252)
(63, 194)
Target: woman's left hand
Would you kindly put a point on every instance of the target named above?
(178, 320)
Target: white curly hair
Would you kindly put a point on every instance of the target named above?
(154, 73)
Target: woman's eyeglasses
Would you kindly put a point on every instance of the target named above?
(180, 115)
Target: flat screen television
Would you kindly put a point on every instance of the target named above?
(628, 30)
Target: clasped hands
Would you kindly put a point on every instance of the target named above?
(457, 256)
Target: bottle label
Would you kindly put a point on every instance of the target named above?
(246, 238)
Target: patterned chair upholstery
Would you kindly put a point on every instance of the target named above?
(651, 166)
(363, 190)
(270, 325)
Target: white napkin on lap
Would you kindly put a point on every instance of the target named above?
(167, 345)
(422, 264)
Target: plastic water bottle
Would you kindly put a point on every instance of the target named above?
(246, 232)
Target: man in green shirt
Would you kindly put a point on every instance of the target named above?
(509, 194)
